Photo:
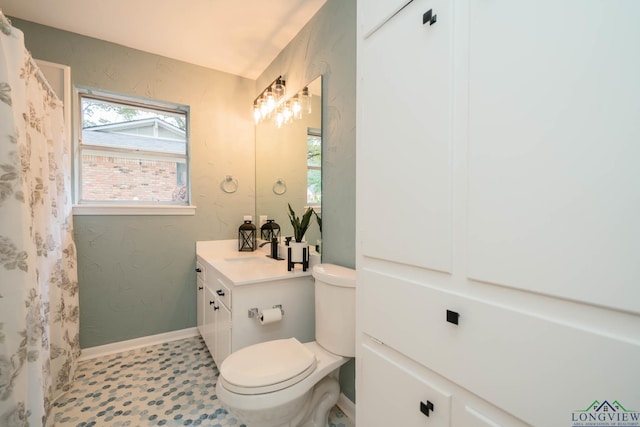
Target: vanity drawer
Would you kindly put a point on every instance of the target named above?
(498, 351)
(201, 271)
(222, 290)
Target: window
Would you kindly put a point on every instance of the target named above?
(314, 167)
(132, 152)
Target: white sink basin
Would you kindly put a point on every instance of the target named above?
(250, 260)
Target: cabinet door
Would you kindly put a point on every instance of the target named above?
(553, 148)
(209, 326)
(404, 138)
(223, 333)
(393, 391)
(200, 295)
(200, 305)
(200, 281)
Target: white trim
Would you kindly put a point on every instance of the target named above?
(94, 209)
(347, 407)
(59, 76)
(117, 347)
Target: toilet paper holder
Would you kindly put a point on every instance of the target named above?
(253, 312)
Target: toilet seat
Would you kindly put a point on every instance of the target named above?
(267, 367)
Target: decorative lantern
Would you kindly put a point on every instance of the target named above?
(270, 230)
(247, 237)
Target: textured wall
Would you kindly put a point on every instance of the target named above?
(327, 46)
(136, 273)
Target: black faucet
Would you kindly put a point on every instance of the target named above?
(274, 248)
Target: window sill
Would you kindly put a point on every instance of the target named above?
(133, 210)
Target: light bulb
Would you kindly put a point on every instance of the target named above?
(296, 108)
(279, 118)
(264, 109)
(305, 97)
(270, 100)
(286, 112)
(279, 90)
(257, 115)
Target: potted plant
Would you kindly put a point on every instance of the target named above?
(300, 226)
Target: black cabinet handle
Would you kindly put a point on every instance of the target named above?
(425, 408)
(200, 288)
(453, 317)
(429, 17)
(220, 292)
(212, 302)
(198, 270)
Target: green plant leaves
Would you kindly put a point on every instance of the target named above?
(300, 226)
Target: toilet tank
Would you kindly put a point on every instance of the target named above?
(335, 293)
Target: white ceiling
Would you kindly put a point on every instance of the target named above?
(241, 37)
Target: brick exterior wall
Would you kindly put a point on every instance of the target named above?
(113, 178)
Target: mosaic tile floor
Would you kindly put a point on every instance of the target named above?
(171, 384)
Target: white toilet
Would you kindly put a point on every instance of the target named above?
(285, 383)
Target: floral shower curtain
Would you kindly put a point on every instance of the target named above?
(39, 339)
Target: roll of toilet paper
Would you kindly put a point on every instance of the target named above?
(270, 315)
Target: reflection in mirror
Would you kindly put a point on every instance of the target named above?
(289, 166)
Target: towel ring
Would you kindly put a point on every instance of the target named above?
(279, 187)
(229, 185)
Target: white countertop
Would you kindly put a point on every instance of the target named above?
(243, 268)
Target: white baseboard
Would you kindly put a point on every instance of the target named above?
(347, 407)
(117, 347)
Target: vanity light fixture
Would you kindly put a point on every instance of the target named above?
(272, 103)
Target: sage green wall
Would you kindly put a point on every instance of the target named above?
(136, 273)
(327, 46)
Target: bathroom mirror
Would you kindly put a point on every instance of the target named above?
(288, 165)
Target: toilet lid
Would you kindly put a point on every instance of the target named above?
(267, 366)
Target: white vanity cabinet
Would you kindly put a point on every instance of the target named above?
(497, 145)
(238, 284)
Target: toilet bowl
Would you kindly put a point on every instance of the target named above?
(286, 383)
